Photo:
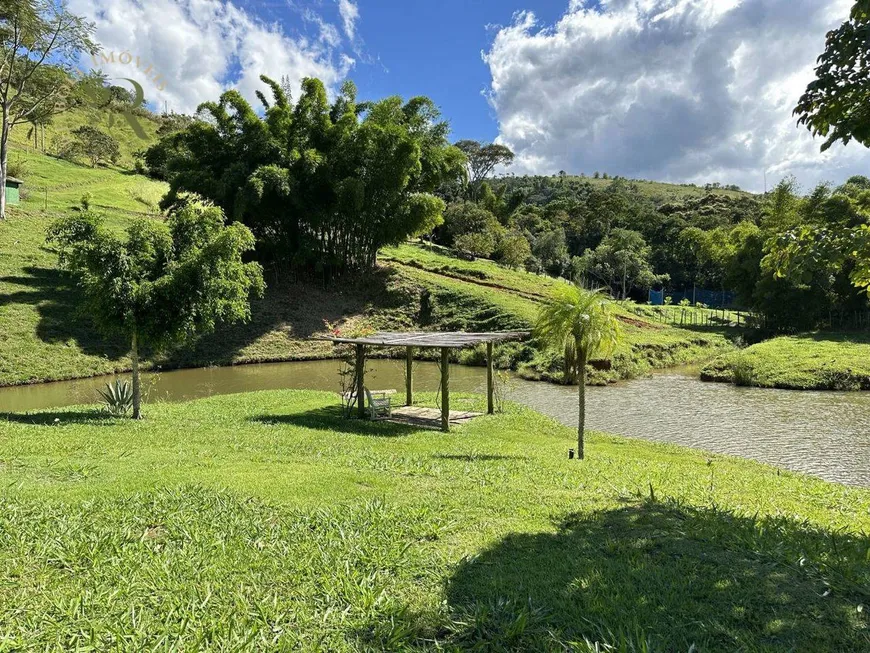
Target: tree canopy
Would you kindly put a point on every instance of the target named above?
(622, 262)
(481, 159)
(163, 282)
(836, 104)
(96, 145)
(320, 185)
(39, 42)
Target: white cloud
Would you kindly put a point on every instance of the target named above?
(349, 12)
(681, 90)
(198, 48)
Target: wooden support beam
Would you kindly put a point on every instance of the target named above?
(409, 381)
(445, 389)
(490, 403)
(360, 381)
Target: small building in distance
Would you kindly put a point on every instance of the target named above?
(12, 194)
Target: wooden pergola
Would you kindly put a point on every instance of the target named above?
(445, 341)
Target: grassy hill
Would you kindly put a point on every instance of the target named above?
(61, 128)
(44, 337)
(659, 190)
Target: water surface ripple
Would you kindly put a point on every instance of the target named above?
(821, 433)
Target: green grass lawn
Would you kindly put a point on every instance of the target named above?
(266, 520)
(816, 361)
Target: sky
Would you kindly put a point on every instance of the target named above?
(672, 90)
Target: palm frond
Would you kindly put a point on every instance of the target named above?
(574, 317)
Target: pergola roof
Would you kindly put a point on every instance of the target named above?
(429, 339)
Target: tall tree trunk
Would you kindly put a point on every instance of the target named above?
(4, 157)
(581, 403)
(137, 388)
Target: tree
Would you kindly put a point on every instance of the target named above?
(819, 261)
(96, 145)
(39, 40)
(476, 243)
(704, 255)
(550, 249)
(321, 185)
(513, 250)
(582, 324)
(462, 218)
(164, 282)
(481, 159)
(836, 104)
(622, 262)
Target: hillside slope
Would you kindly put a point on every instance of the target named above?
(44, 337)
(60, 131)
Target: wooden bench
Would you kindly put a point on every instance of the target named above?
(379, 403)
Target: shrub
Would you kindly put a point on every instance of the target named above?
(476, 243)
(117, 398)
(17, 167)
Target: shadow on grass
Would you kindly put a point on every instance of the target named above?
(658, 576)
(477, 458)
(332, 418)
(295, 309)
(59, 418)
(289, 310)
(59, 303)
(729, 332)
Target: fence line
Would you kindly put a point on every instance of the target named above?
(857, 320)
(687, 316)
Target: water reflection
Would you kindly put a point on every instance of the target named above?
(822, 433)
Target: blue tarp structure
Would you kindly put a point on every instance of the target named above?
(712, 298)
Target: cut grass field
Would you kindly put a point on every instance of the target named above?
(816, 361)
(44, 337)
(266, 521)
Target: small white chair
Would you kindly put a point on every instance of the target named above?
(380, 405)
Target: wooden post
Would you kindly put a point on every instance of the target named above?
(360, 381)
(445, 389)
(490, 406)
(409, 383)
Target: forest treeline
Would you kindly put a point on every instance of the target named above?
(325, 185)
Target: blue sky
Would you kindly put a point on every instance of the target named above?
(434, 49)
(673, 90)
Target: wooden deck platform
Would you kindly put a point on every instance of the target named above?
(429, 417)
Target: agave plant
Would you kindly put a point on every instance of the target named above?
(117, 398)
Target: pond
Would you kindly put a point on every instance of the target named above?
(821, 433)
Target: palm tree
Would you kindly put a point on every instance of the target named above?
(581, 323)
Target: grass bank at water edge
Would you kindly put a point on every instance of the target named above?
(814, 361)
(266, 520)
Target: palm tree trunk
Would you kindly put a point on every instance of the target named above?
(581, 393)
(137, 389)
